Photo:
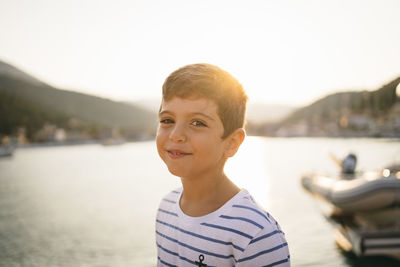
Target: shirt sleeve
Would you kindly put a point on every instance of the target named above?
(267, 248)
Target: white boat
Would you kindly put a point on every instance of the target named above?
(6, 151)
(364, 208)
(370, 191)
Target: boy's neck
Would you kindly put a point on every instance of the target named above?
(203, 196)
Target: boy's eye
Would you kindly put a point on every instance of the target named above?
(166, 121)
(198, 123)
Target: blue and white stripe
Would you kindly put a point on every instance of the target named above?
(238, 234)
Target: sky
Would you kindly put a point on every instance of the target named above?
(288, 52)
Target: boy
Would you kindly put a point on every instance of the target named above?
(209, 221)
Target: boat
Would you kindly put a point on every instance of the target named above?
(6, 151)
(113, 142)
(363, 207)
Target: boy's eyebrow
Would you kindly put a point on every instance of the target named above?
(193, 113)
(163, 112)
(202, 114)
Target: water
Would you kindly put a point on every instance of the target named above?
(91, 205)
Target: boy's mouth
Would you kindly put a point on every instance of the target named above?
(175, 154)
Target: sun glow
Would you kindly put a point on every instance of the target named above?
(247, 169)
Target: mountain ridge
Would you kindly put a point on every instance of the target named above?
(41, 98)
(9, 70)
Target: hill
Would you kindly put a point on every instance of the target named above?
(362, 113)
(29, 104)
(8, 70)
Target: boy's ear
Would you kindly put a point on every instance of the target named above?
(234, 140)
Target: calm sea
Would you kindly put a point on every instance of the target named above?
(91, 205)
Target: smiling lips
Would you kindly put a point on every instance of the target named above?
(176, 154)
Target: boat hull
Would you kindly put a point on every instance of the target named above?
(368, 242)
(373, 191)
(365, 211)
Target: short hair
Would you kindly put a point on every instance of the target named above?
(210, 82)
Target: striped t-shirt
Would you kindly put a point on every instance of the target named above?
(240, 233)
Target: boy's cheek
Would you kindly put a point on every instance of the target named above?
(159, 149)
(159, 132)
(160, 140)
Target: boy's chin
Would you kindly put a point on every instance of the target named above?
(179, 173)
(175, 172)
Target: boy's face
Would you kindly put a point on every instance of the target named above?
(189, 137)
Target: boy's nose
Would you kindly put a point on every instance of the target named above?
(178, 134)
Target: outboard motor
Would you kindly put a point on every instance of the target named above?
(349, 164)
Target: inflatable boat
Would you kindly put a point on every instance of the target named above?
(370, 191)
(364, 208)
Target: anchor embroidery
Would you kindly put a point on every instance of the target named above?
(200, 262)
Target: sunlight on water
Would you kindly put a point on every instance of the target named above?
(248, 170)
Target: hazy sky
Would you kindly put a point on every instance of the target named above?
(288, 52)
